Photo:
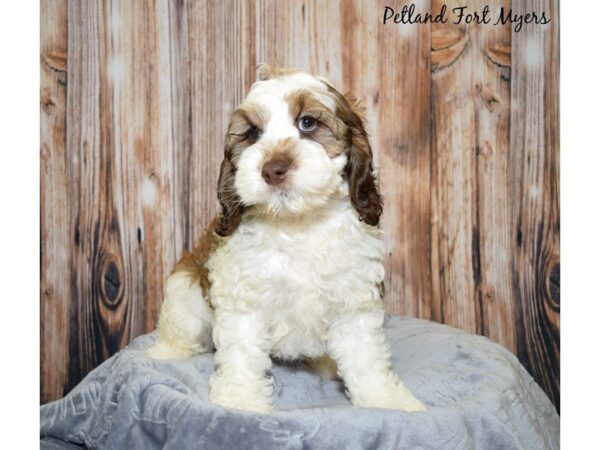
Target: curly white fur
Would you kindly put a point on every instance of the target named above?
(299, 281)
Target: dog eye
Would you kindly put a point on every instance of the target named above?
(254, 133)
(307, 124)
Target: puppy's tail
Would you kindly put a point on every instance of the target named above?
(324, 366)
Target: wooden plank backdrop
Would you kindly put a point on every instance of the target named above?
(135, 98)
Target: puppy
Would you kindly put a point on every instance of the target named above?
(292, 267)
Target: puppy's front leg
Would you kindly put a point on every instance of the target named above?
(357, 343)
(241, 360)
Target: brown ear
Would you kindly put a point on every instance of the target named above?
(231, 204)
(362, 183)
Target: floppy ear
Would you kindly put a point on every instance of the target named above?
(231, 204)
(362, 183)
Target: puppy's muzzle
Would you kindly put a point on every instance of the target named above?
(274, 171)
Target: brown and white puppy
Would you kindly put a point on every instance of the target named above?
(292, 266)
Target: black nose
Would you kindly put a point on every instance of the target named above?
(274, 171)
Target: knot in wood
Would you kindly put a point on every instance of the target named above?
(111, 285)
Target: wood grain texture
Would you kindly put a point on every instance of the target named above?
(402, 103)
(534, 175)
(135, 99)
(55, 288)
(471, 226)
(453, 201)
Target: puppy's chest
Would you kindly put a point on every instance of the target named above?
(298, 269)
(292, 264)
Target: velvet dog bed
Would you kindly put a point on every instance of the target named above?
(477, 394)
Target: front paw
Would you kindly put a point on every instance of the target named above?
(406, 402)
(401, 398)
(397, 397)
(246, 397)
(248, 403)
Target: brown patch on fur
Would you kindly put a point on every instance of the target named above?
(247, 115)
(302, 102)
(236, 140)
(237, 133)
(330, 131)
(283, 152)
(344, 130)
(194, 262)
(357, 106)
(268, 71)
(332, 145)
(283, 149)
(231, 204)
(242, 120)
(364, 191)
(324, 366)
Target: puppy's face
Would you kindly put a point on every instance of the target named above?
(293, 145)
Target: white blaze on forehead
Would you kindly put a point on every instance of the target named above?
(279, 88)
(285, 84)
(280, 124)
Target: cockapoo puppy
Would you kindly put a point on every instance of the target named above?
(293, 265)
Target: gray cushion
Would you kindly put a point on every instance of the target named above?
(478, 396)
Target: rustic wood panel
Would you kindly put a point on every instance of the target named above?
(120, 168)
(55, 295)
(471, 204)
(453, 129)
(135, 100)
(534, 175)
(403, 104)
(98, 264)
(470, 139)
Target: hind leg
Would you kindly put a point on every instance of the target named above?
(186, 319)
